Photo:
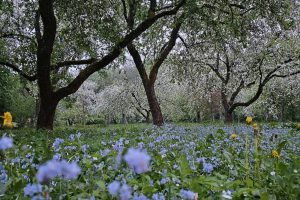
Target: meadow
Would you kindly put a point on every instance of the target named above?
(139, 161)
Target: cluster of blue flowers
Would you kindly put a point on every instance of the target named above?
(32, 190)
(138, 160)
(54, 168)
(6, 143)
(123, 191)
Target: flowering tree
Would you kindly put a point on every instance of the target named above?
(47, 37)
(248, 50)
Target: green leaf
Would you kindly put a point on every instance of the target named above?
(281, 145)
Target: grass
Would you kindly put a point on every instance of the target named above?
(180, 153)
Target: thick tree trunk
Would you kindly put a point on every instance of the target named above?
(157, 116)
(46, 114)
(228, 113)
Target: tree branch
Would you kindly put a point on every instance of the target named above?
(124, 9)
(19, 71)
(165, 52)
(37, 28)
(72, 62)
(114, 53)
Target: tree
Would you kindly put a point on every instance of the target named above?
(45, 35)
(246, 46)
(148, 80)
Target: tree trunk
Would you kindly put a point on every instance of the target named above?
(46, 114)
(157, 116)
(227, 111)
(228, 117)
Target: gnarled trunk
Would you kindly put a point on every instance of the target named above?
(157, 116)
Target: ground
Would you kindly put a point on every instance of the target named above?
(187, 161)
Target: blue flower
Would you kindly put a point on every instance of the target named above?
(32, 189)
(140, 197)
(138, 160)
(72, 137)
(54, 168)
(208, 168)
(69, 171)
(56, 144)
(3, 176)
(158, 196)
(125, 192)
(105, 152)
(84, 148)
(48, 171)
(187, 194)
(5, 143)
(114, 188)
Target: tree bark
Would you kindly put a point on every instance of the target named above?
(157, 116)
(228, 117)
(46, 113)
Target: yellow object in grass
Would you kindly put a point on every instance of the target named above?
(249, 120)
(275, 154)
(7, 123)
(255, 126)
(233, 136)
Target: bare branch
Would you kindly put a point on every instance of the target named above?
(19, 71)
(124, 9)
(72, 62)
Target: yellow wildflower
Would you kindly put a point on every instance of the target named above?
(7, 120)
(298, 126)
(275, 154)
(249, 120)
(255, 126)
(233, 136)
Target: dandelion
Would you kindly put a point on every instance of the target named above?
(275, 154)
(137, 160)
(233, 136)
(5, 143)
(249, 120)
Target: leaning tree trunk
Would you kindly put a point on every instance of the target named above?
(46, 113)
(157, 116)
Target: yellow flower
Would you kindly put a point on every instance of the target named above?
(233, 136)
(7, 120)
(298, 126)
(275, 154)
(249, 120)
(255, 126)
